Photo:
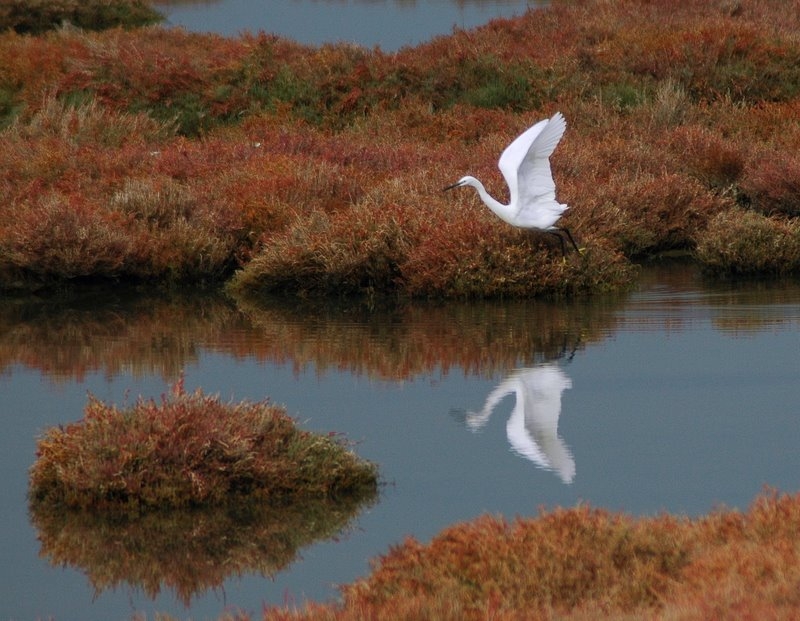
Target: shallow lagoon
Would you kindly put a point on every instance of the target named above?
(388, 24)
(679, 396)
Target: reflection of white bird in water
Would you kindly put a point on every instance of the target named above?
(532, 428)
(525, 164)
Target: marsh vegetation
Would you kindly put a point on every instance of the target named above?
(164, 156)
(190, 450)
(185, 492)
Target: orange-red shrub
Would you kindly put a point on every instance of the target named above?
(772, 182)
(714, 161)
(188, 450)
(584, 563)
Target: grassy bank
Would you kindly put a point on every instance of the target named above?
(162, 156)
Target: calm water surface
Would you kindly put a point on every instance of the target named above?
(389, 24)
(678, 396)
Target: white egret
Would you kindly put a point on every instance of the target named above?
(525, 164)
(532, 428)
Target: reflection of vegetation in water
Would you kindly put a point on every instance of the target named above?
(186, 2)
(111, 330)
(677, 294)
(406, 340)
(189, 551)
(748, 306)
(32, 17)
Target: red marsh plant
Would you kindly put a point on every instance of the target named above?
(401, 233)
(585, 563)
(353, 251)
(421, 252)
(102, 210)
(62, 238)
(716, 162)
(771, 183)
(189, 450)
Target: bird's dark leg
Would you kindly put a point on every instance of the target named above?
(561, 239)
(569, 235)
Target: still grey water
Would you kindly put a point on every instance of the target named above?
(679, 396)
(389, 24)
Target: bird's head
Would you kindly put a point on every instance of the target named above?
(462, 182)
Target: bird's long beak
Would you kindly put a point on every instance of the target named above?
(457, 184)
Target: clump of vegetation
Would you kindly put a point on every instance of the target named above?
(190, 450)
(564, 559)
(748, 242)
(113, 224)
(385, 242)
(37, 16)
(772, 185)
(586, 563)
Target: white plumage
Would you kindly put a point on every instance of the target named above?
(525, 165)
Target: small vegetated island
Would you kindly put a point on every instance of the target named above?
(160, 156)
(191, 450)
(234, 487)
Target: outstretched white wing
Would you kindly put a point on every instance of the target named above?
(513, 155)
(525, 164)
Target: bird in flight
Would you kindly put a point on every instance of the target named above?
(525, 165)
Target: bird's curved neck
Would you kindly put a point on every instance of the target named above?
(490, 201)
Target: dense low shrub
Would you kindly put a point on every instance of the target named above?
(716, 162)
(354, 251)
(190, 450)
(772, 183)
(585, 563)
(88, 201)
(747, 242)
